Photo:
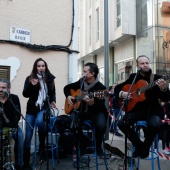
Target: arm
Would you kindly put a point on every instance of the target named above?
(28, 88)
(74, 86)
(118, 89)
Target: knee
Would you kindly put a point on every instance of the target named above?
(120, 123)
(155, 123)
(40, 123)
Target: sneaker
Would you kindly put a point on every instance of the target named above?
(118, 134)
(168, 149)
(165, 152)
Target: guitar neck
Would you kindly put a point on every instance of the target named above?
(153, 83)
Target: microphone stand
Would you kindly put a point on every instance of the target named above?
(124, 105)
(76, 123)
(46, 117)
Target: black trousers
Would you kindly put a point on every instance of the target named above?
(99, 120)
(153, 125)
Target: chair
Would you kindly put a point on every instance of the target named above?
(89, 131)
(154, 153)
(5, 149)
(53, 147)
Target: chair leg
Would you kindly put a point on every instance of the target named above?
(35, 148)
(52, 149)
(157, 149)
(104, 154)
(56, 137)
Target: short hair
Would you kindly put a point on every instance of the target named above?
(3, 80)
(110, 87)
(140, 57)
(93, 68)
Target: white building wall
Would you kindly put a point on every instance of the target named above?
(124, 52)
(128, 19)
(50, 24)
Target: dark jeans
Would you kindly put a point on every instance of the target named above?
(99, 120)
(153, 124)
(163, 135)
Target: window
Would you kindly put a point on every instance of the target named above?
(89, 30)
(5, 72)
(97, 16)
(118, 13)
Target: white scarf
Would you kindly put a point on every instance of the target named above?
(42, 93)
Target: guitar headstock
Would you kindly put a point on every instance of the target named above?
(101, 94)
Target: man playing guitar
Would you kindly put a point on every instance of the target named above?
(143, 104)
(90, 107)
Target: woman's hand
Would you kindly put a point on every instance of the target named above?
(53, 104)
(69, 99)
(34, 82)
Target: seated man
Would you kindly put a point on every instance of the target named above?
(91, 108)
(9, 117)
(147, 109)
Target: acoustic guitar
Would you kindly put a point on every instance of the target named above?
(79, 95)
(138, 92)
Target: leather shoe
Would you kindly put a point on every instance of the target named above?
(145, 153)
(99, 151)
(137, 152)
(118, 134)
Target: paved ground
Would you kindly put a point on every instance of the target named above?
(113, 161)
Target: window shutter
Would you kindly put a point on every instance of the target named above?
(5, 72)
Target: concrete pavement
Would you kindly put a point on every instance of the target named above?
(114, 159)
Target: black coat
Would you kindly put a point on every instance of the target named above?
(151, 104)
(12, 110)
(99, 104)
(32, 93)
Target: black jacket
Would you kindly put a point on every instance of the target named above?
(32, 92)
(115, 102)
(151, 104)
(99, 104)
(12, 110)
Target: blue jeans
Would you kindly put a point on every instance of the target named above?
(29, 132)
(116, 112)
(18, 149)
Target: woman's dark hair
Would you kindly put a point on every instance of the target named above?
(34, 69)
(93, 68)
(47, 72)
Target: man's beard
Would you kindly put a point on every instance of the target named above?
(146, 72)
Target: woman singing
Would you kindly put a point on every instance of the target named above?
(39, 88)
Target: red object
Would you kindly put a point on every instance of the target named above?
(166, 7)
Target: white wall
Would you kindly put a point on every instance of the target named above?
(50, 24)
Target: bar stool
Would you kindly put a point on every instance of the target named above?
(53, 147)
(89, 131)
(154, 153)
